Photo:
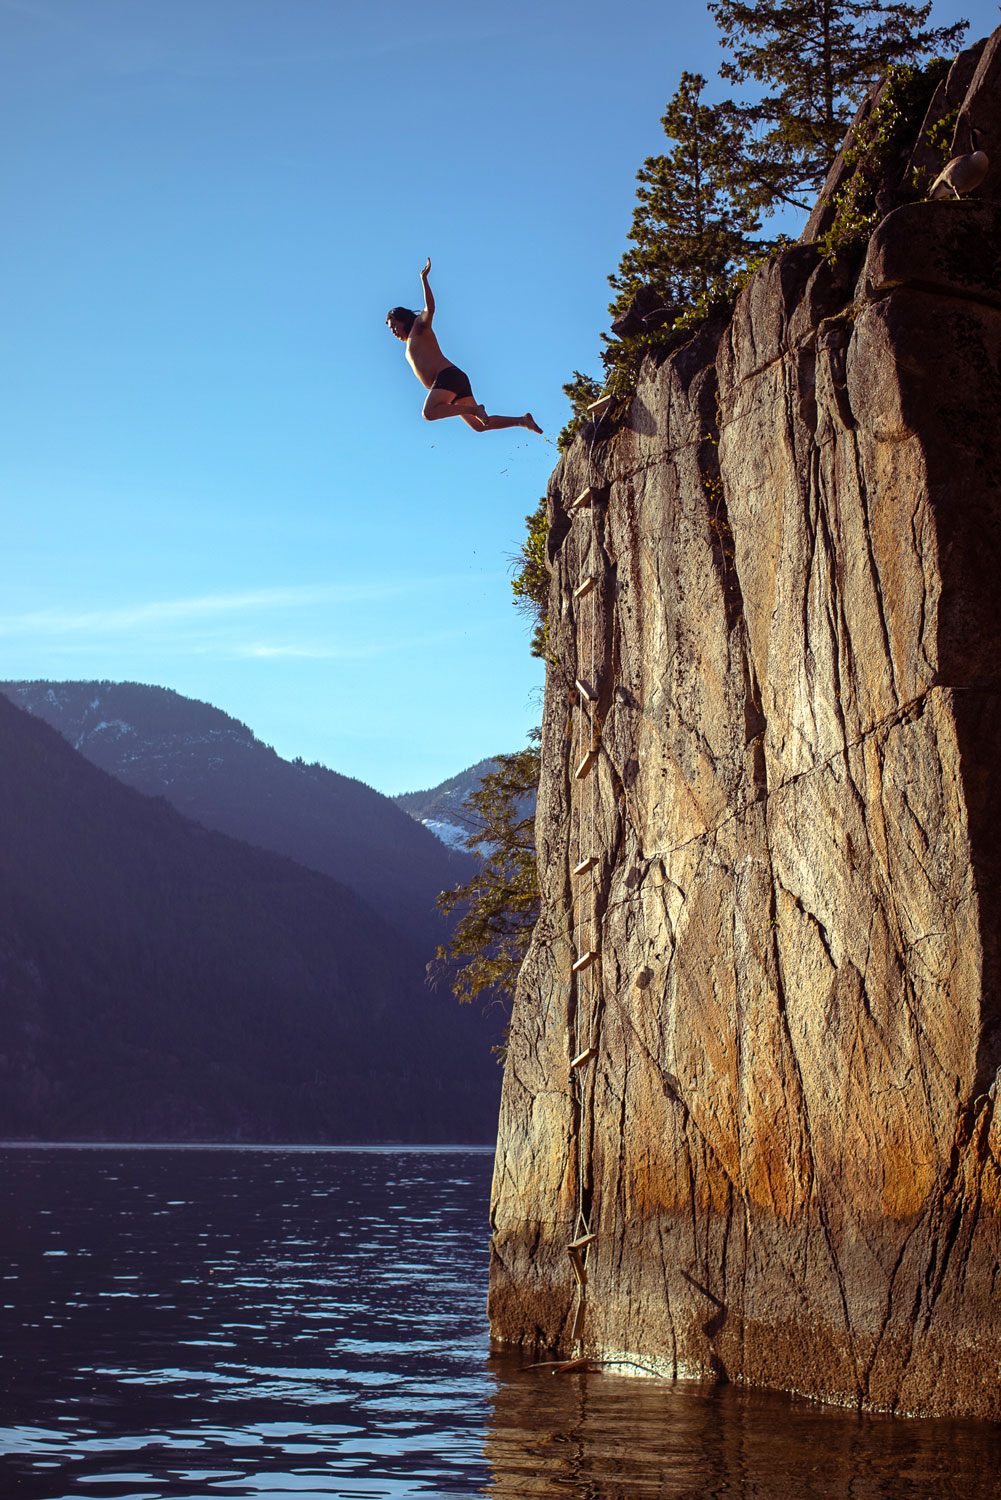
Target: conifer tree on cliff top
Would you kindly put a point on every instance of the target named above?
(816, 59)
(688, 230)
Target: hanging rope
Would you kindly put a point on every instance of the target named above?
(587, 965)
(587, 968)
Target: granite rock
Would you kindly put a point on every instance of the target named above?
(786, 1146)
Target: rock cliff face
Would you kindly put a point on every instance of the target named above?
(782, 695)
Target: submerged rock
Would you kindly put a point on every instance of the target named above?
(786, 1146)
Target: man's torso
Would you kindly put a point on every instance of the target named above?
(424, 356)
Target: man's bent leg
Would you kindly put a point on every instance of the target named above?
(443, 404)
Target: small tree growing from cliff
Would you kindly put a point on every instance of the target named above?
(816, 59)
(500, 905)
(689, 230)
(689, 233)
(581, 391)
(530, 584)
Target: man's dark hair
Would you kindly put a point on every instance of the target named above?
(403, 315)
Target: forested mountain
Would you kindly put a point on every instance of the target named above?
(161, 981)
(213, 769)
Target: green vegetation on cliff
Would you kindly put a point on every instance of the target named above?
(499, 906)
(696, 226)
(530, 584)
(689, 227)
(695, 239)
(816, 63)
(875, 142)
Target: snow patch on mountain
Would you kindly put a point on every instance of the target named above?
(119, 725)
(450, 833)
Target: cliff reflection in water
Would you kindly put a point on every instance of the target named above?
(617, 1437)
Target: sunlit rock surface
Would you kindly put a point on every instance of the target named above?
(787, 1146)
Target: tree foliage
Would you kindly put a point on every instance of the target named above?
(816, 60)
(497, 908)
(690, 231)
(687, 229)
(530, 584)
(696, 226)
(877, 151)
(696, 232)
(581, 391)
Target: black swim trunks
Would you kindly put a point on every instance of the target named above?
(451, 378)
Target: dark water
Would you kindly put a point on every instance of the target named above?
(198, 1323)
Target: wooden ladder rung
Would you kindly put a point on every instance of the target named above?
(585, 587)
(577, 1262)
(586, 690)
(575, 1333)
(582, 1058)
(585, 865)
(583, 1242)
(586, 764)
(583, 500)
(598, 408)
(585, 961)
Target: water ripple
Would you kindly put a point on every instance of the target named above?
(189, 1324)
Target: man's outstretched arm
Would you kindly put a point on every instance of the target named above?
(428, 313)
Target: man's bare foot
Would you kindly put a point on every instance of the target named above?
(529, 421)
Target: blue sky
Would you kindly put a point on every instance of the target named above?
(213, 470)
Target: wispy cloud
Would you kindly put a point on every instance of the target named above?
(133, 617)
(156, 612)
(313, 653)
(335, 651)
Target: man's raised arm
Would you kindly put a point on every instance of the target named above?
(428, 313)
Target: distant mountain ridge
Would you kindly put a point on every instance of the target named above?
(440, 808)
(213, 769)
(162, 981)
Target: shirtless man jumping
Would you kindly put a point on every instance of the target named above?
(448, 388)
